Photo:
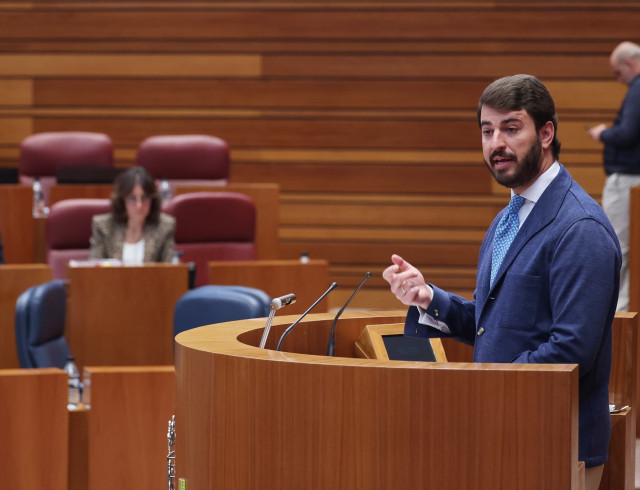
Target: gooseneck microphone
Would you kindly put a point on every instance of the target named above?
(275, 305)
(290, 327)
(332, 335)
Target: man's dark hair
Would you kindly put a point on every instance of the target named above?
(523, 92)
(123, 186)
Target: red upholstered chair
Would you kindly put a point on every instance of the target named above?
(68, 230)
(213, 226)
(185, 159)
(41, 155)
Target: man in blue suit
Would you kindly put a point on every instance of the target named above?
(553, 297)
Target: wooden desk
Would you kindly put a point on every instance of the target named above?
(35, 428)
(634, 266)
(619, 471)
(277, 278)
(16, 223)
(14, 280)
(252, 418)
(121, 440)
(123, 316)
(59, 192)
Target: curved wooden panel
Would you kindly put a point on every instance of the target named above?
(251, 418)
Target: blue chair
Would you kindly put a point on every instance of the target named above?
(39, 323)
(216, 304)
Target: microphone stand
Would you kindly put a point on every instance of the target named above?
(286, 332)
(332, 335)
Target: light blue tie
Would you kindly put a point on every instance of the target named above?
(506, 231)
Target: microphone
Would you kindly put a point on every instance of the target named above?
(285, 300)
(332, 335)
(286, 332)
(276, 304)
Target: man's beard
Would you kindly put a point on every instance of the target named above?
(525, 172)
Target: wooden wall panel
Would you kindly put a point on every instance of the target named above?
(275, 21)
(263, 93)
(291, 93)
(14, 129)
(314, 132)
(356, 110)
(15, 92)
(368, 178)
(129, 65)
(443, 65)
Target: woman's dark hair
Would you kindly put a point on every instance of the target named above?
(123, 187)
(523, 92)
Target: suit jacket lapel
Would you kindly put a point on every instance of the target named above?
(541, 215)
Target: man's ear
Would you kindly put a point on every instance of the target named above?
(546, 133)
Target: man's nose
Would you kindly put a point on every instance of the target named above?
(498, 140)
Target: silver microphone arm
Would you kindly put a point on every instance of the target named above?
(275, 305)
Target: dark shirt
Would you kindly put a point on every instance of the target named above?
(622, 140)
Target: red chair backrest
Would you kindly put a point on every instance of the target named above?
(41, 154)
(68, 230)
(213, 226)
(190, 157)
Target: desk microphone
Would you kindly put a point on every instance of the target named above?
(332, 335)
(276, 304)
(286, 332)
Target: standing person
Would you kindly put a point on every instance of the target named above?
(622, 154)
(135, 231)
(550, 296)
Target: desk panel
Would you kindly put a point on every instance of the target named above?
(14, 280)
(277, 278)
(33, 453)
(16, 223)
(122, 438)
(123, 316)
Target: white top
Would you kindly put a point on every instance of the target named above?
(133, 253)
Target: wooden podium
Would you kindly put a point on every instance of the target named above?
(250, 418)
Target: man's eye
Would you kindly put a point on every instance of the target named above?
(512, 130)
(486, 132)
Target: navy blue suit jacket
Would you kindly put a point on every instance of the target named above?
(553, 301)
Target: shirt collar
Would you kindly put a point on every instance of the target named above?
(535, 190)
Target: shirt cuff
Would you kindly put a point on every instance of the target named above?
(430, 319)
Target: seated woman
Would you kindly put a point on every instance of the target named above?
(136, 231)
